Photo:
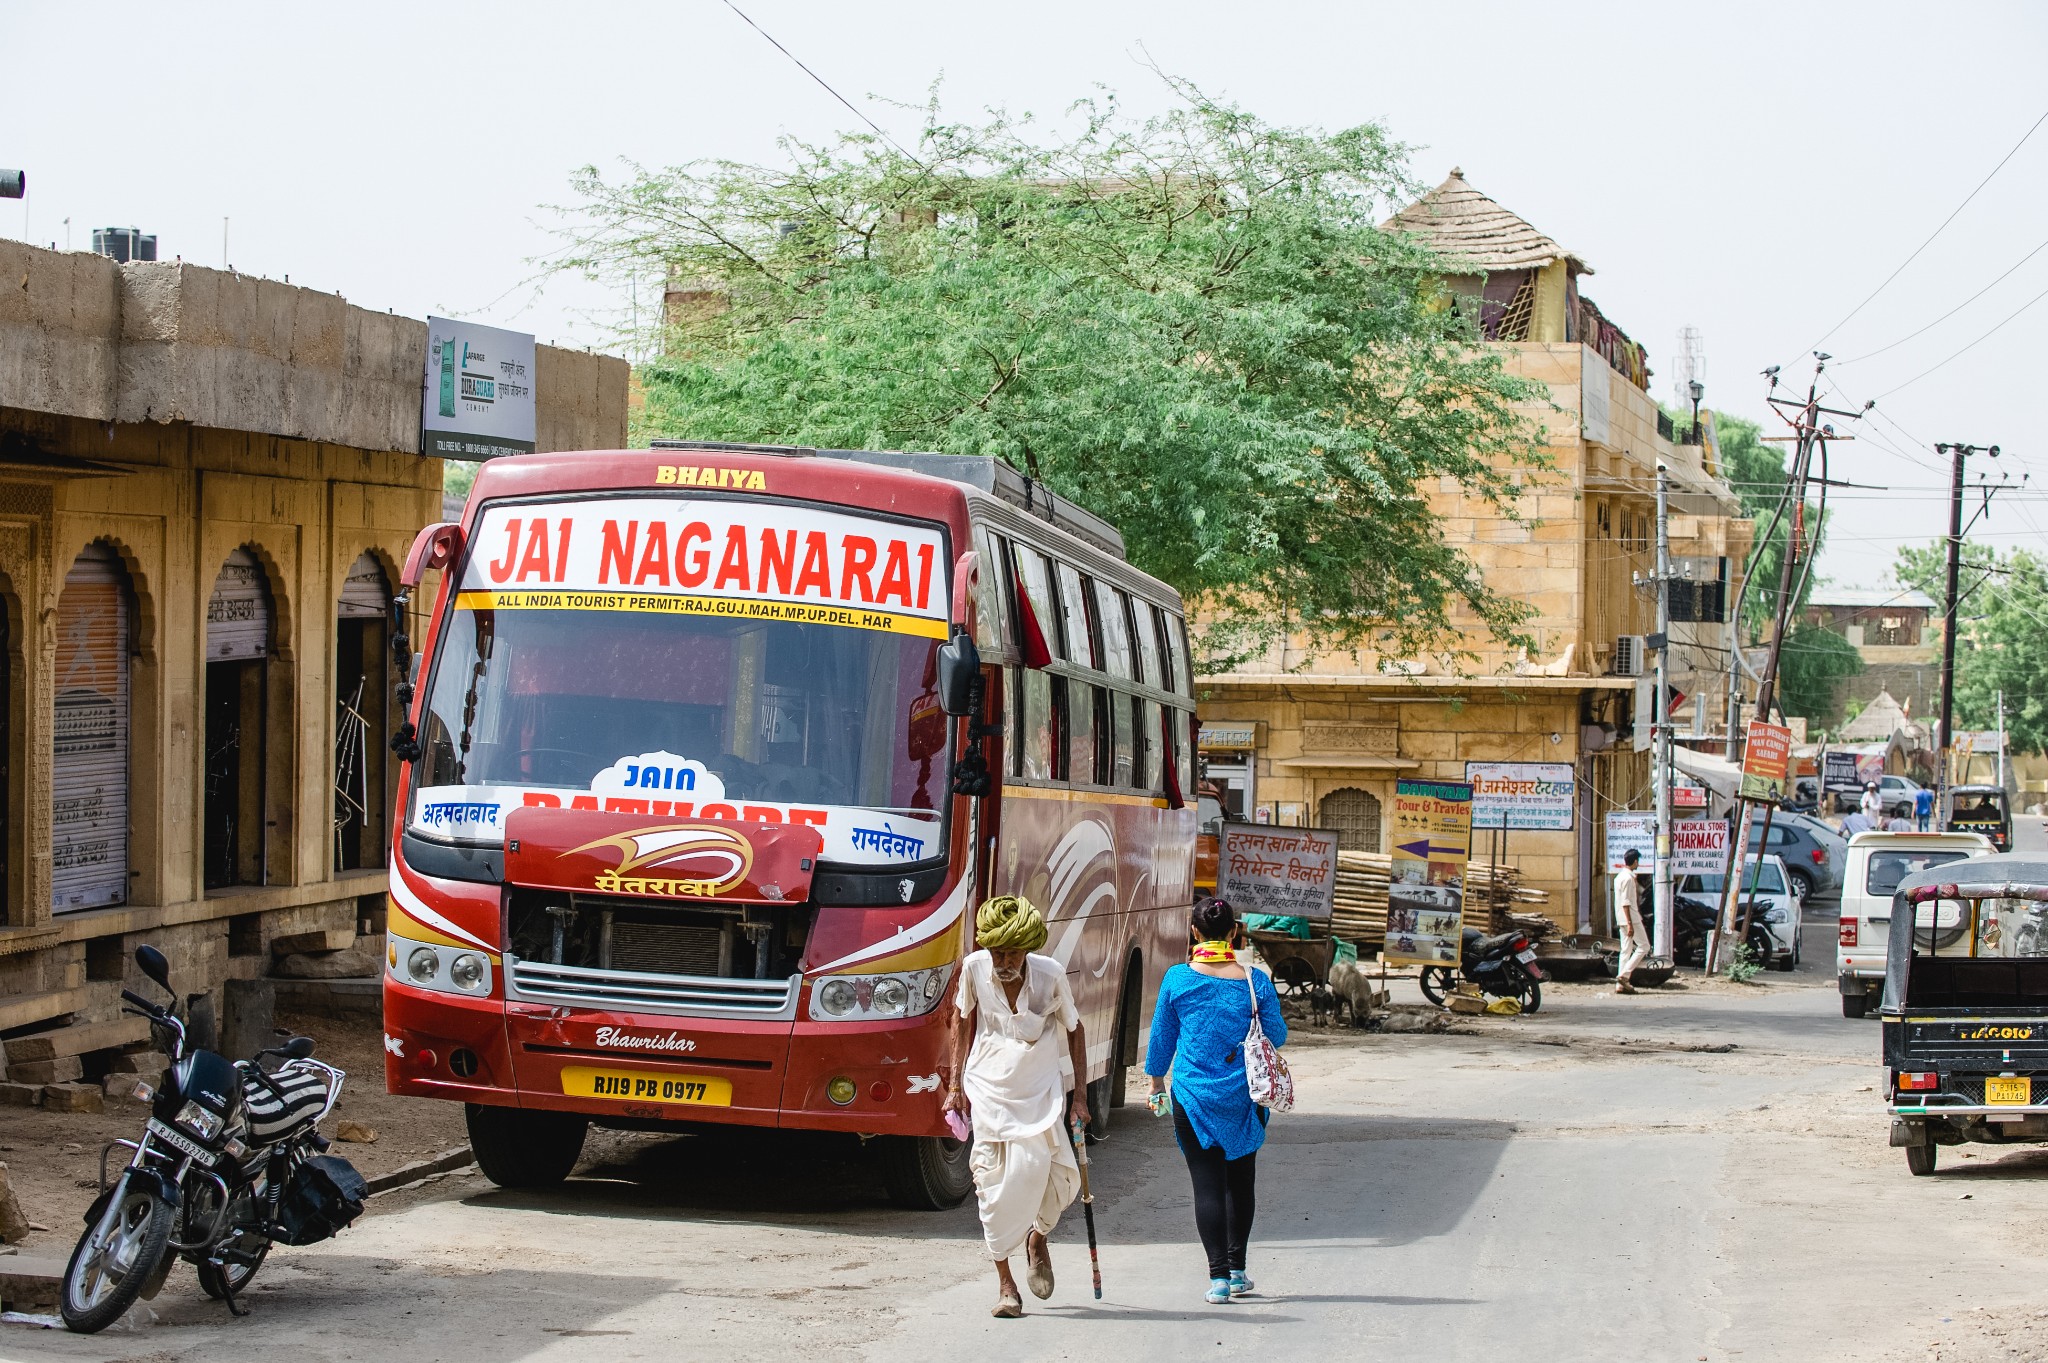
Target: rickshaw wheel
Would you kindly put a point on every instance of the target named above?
(1294, 977)
(1920, 1158)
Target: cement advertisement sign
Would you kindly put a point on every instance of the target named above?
(1432, 841)
(1699, 847)
(1521, 794)
(1264, 869)
(478, 400)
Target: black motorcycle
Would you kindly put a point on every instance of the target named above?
(1503, 965)
(1696, 918)
(229, 1164)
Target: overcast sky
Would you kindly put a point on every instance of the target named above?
(1752, 170)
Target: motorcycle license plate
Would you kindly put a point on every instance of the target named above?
(647, 1086)
(1526, 957)
(2008, 1092)
(181, 1142)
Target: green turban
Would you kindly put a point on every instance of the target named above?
(1009, 923)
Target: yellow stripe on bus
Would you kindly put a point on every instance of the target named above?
(739, 607)
(1085, 797)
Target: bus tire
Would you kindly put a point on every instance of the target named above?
(524, 1148)
(1126, 1053)
(1098, 1109)
(926, 1173)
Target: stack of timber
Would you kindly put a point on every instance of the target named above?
(1495, 899)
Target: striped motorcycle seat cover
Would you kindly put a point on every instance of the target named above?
(275, 1103)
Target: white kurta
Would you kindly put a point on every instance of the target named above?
(1016, 1086)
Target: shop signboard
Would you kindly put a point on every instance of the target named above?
(1263, 868)
(1522, 794)
(478, 400)
(1432, 841)
(1227, 737)
(1688, 797)
(1699, 847)
(1629, 828)
(1838, 769)
(1766, 757)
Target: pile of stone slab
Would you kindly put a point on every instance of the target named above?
(76, 1068)
(1495, 899)
(329, 974)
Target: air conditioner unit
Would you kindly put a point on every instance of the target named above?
(1627, 659)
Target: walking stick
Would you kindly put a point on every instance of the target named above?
(1087, 1204)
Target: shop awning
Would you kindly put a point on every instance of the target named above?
(1717, 774)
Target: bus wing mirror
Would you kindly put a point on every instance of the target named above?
(959, 670)
(437, 546)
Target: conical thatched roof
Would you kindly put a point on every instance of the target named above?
(1880, 719)
(1461, 222)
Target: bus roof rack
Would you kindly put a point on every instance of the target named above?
(999, 480)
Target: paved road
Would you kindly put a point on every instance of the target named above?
(1696, 1174)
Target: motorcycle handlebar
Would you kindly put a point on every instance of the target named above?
(148, 1008)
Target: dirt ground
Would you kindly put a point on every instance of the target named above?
(53, 1158)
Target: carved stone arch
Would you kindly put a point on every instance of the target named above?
(142, 608)
(283, 629)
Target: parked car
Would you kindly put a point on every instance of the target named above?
(1777, 908)
(1897, 793)
(1813, 851)
(1877, 862)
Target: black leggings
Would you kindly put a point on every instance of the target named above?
(1226, 1196)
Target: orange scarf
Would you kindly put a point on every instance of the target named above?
(1213, 953)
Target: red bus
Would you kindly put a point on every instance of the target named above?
(714, 752)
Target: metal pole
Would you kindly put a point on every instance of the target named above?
(1948, 637)
(2001, 746)
(1660, 936)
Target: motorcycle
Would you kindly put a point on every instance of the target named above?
(1698, 917)
(230, 1163)
(1503, 965)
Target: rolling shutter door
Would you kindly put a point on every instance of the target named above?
(238, 613)
(365, 595)
(89, 824)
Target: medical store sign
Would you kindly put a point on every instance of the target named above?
(741, 560)
(478, 399)
(1521, 794)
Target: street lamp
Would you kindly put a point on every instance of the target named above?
(1698, 391)
(13, 184)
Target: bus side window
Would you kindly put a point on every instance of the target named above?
(1183, 751)
(1122, 746)
(1074, 617)
(992, 628)
(1145, 629)
(1169, 666)
(1084, 767)
(1183, 664)
(1151, 768)
(1035, 581)
(1111, 614)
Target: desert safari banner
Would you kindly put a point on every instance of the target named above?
(752, 560)
(1426, 889)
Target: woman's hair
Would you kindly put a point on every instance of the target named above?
(1214, 920)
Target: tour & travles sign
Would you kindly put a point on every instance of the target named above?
(1426, 877)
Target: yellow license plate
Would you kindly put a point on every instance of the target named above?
(647, 1086)
(2008, 1092)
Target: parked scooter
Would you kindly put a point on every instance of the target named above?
(1503, 965)
(229, 1164)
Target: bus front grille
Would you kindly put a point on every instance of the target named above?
(640, 991)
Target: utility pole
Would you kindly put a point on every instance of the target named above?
(1660, 895)
(2001, 745)
(1944, 773)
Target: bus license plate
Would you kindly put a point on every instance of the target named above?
(2008, 1092)
(647, 1086)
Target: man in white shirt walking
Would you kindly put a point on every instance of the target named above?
(1628, 921)
(1872, 805)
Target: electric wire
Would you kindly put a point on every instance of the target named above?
(1968, 348)
(822, 82)
(1952, 311)
(1930, 236)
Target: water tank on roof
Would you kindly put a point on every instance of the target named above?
(123, 243)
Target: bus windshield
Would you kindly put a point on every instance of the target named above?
(748, 703)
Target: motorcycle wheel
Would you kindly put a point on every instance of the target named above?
(114, 1258)
(1529, 993)
(1437, 981)
(231, 1279)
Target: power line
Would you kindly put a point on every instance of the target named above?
(1930, 237)
(822, 83)
(1966, 349)
(1954, 310)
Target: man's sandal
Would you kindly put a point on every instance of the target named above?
(1038, 1274)
(1009, 1306)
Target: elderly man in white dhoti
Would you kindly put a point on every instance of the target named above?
(1011, 1075)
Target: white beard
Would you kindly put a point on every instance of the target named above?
(1010, 976)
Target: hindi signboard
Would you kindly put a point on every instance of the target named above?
(1699, 847)
(1765, 758)
(1264, 869)
(478, 400)
(1522, 794)
(1426, 888)
(1628, 828)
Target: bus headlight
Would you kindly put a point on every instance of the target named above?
(443, 969)
(870, 998)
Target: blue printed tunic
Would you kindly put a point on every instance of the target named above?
(1198, 1029)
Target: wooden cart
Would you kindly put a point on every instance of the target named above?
(1300, 966)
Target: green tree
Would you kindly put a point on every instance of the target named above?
(2001, 635)
(1813, 662)
(1190, 324)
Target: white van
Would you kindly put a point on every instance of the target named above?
(1877, 863)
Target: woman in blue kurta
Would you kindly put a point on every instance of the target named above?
(1198, 1032)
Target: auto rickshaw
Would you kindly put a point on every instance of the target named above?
(1982, 809)
(1965, 1011)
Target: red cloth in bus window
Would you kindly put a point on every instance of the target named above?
(628, 661)
(1036, 653)
(1171, 753)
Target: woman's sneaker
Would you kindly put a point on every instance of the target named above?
(1239, 1284)
(1219, 1291)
